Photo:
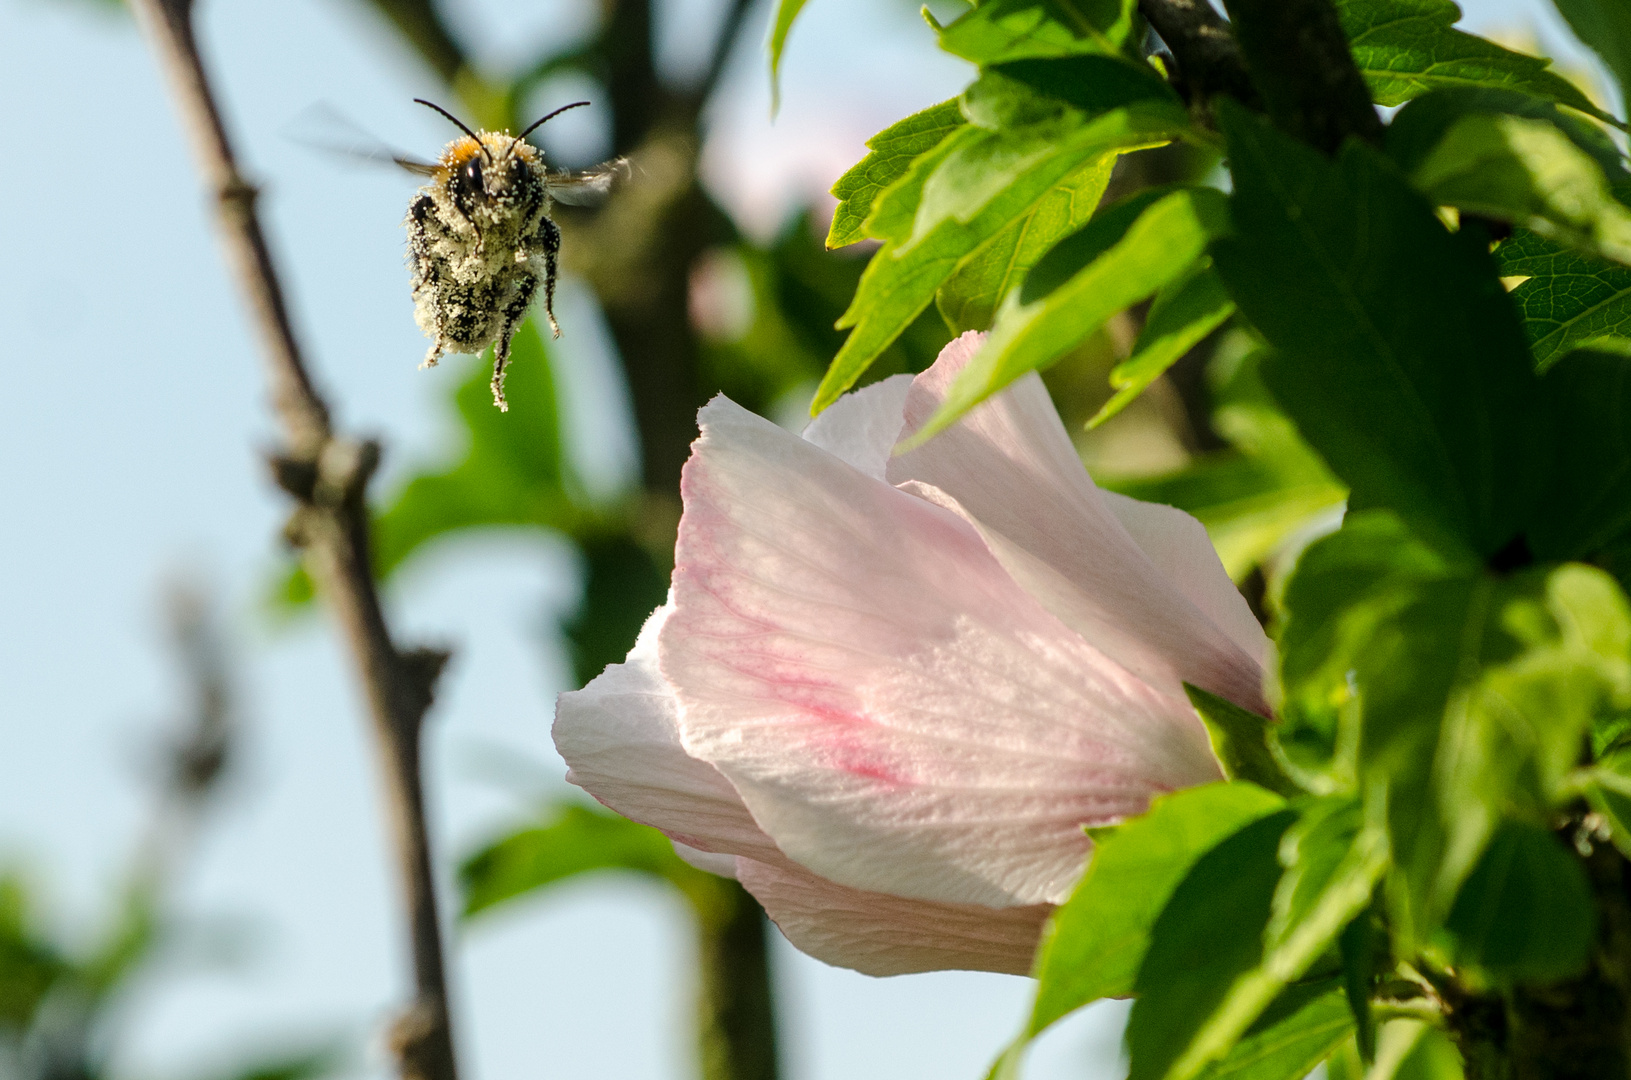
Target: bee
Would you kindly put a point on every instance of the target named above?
(481, 242)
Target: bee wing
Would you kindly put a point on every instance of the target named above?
(590, 186)
(325, 128)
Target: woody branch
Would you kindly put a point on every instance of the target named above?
(327, 475)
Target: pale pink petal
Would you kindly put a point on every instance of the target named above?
(1178, 546)
(1012, 468)
(896, 712)
(889, 935)
(707, 861)
(862, 427)
(620, 738)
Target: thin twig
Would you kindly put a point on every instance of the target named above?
(328, 476)
(730, 28)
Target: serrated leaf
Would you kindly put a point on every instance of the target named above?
(1123, 256)
(1603, 25)
(1097, 939)
(1407, 47)
(898, 285)
(1530, 173)
(1526, 912)
(1022, 109)
(1398, 354)
(572, 839)
(969, 298)
(1289, 1049)
(781, 23)
(1185, 311)
(1332, 862)
(892, 152)
(1570, 299)
(1001, 30)
(1241, 741)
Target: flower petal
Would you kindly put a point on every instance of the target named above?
(1178, 546)
(889, 935)
(862, 427)
(1012, 468)
(896, 712)
(620, 738)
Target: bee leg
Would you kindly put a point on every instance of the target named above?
(550, 235)
(514, 312)
(501, 359)
(433, 356)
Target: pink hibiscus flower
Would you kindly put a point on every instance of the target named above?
(887, 692)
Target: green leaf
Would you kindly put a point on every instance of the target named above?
(1407, 47)
(1604, 25)
(899, 284)
(1586, 504)
(574, 839)
(1097, 939)
(1332, 862)
(1570, 299)
(969, 298)
(1242, 742)
(1123, 255)
(1184, 312)
(1526, 912)
(1461, 697)
(1398, 354)
(1017, 112)
(1530, 173)
(1001, 30)
(892, 152)
(781, 22)
(1290, 1048)
(1340, 590)
(1209, 933)
(1414, 1050)
(1421, 125)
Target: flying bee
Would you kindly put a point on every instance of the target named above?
(481, 242)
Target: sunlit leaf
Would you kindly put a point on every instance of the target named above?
(1184, 312)
(1000, 30)
(1097, 939)
(781, 23)
(1407, 47)
(898, 285)
(892, 152)
(1242, 742)
(1122, 256)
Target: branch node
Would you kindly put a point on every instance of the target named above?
(344, 467)
(421, 668)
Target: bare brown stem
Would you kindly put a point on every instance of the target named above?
(1209, 60)
(328, 476)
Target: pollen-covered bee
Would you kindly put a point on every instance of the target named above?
(481, 242)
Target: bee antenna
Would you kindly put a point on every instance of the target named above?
(460, 124)
(536, 124)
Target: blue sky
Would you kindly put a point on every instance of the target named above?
(131, 425)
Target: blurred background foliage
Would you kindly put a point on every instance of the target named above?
(64, 990)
